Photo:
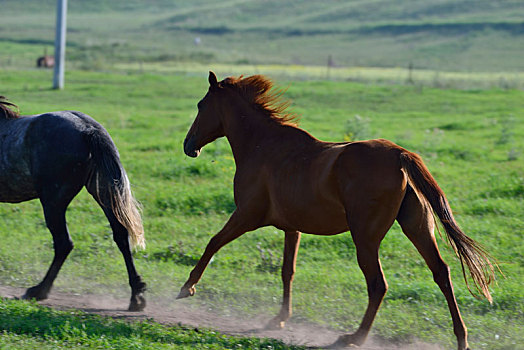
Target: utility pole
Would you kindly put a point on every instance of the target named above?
(60, 43)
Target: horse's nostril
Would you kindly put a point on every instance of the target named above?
(190, 148)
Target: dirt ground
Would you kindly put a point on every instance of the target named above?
(182, 313)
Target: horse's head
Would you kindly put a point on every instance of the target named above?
(207, 126)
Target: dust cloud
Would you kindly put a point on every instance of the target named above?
(184, 312)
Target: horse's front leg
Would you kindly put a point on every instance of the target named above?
(291, 245)
(234, 228)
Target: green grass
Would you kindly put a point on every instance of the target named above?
(449, 35)
(472, 141)
(28, 326)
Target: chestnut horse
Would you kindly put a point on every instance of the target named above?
(287, 178)
(51, 157)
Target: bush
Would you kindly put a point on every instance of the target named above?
(357, 128)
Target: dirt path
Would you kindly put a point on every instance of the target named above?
(183, 313)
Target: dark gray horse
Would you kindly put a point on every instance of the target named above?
(51, 157)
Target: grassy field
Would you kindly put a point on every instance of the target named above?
(369, 75)
(443, 35)
(138, 68)
(472, 141)
(27, 326)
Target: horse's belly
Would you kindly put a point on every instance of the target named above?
(324, 223)
(16, 191)
(320, 219)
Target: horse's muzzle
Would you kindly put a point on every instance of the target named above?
(190, 148)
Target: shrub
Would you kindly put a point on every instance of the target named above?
(357, 128)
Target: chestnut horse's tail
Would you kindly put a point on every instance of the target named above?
(110, 184)
(469, 252)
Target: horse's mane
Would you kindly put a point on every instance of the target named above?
(7, 109)
(260, 92)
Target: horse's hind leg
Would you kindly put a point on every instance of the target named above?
(54, 205)
(121, 238)
(369, 263)
(291, 244)
(367, 233)
(418, 224)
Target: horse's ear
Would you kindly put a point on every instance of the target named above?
(213, 82)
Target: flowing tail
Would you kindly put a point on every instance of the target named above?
(111, 184)
(469, 252)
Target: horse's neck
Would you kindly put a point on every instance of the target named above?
(255, 133)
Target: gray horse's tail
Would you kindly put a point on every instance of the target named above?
(110, 185)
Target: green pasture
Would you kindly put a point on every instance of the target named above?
(444, 35)
(27, 326)
(472, 141)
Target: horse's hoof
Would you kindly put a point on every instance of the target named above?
(35, 293)
(138, 303)
(275, 324)
(338, 345)
(345, 341)
(186, 292)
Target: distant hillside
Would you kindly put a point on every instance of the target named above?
(460, 35)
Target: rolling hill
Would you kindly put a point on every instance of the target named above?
(443, 35)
